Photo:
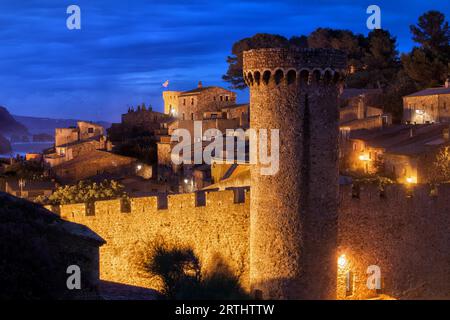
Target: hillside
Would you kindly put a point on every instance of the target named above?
(9, 126)
(5, 146)
(47, 125)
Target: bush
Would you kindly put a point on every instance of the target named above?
(84, 192)
(180, 272)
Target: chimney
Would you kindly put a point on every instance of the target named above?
(446, 134)
(200, 85)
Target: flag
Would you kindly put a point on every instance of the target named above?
(166, 84)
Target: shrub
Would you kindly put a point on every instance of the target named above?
(180, 272)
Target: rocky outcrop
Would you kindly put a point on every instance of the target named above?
(9, 126)
(5, 146)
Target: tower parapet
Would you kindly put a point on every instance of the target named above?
(293, 222)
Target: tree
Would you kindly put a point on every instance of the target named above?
(400, 86)
(353, 45)
(440, 170)
(432, 32)
(428, 63)
(235, 61)
(179, 271)
(380, 62)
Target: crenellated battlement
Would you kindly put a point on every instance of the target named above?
(305, 67)
(397, 192)
(374, 227)
(154, 204)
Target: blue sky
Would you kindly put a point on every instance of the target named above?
(127, 49)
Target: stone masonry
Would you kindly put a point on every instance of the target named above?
(293, 221)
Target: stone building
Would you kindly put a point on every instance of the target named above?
(138, 121)
(212, 107)
(83, 131)
(171, 102)
(362, 109)
(95, 164)
(71, 143)
(428, 106)
(404, 153)
(190, 105)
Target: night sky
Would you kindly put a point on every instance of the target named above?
(127, 48)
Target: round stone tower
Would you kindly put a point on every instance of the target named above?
(293, 224)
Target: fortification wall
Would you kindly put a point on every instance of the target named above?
(405, 232)
(214, 225)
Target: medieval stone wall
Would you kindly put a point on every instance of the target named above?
(214, 225)
(406, 232)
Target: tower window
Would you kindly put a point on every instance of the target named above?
(226, 98)
(221, 98)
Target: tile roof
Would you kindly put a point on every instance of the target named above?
(398, 139)
(430, 92)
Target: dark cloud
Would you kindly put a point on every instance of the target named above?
(126, 49)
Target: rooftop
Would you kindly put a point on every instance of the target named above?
(430, 92)
(199, 90)
(349, 93)
(403, 139)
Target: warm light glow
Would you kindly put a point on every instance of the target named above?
(411, 180)
(420, 112)
(342, 261)
(186, 180)
(364, 157)
(139, 167)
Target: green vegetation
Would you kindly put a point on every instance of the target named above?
(374, 61)
(28, 170)
(440, 170)
(180, 272)
(84, 192)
